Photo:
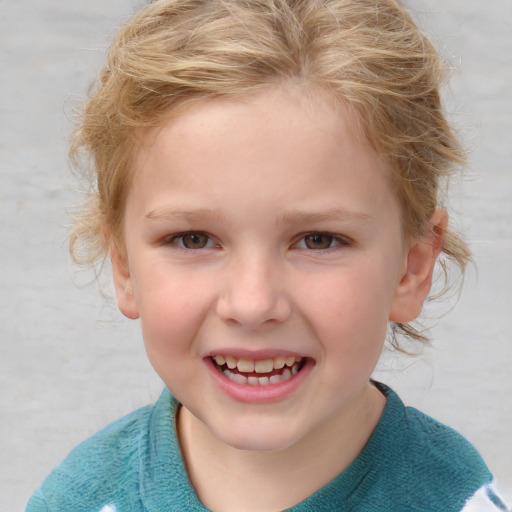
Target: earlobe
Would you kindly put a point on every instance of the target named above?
(416, 280)
(123, 283)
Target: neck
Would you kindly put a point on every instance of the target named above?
(231, 480)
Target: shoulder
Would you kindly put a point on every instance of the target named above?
(439, 445)
(425, 444)
(430, 465)
(99, 470)
(110, 446)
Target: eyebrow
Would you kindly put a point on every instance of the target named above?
(332, 214)
(290, 217)
(166, 214)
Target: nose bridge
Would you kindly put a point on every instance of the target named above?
(253, 290)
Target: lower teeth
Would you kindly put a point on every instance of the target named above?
(286, 374)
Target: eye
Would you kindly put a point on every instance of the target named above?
(318, 241)
(192, 240)
(321, 241)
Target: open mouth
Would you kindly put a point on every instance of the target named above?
(263, 372)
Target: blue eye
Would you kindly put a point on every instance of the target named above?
(192, 240)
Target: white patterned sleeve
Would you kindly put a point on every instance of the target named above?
(486, 499)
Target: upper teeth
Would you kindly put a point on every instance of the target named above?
(259, 366)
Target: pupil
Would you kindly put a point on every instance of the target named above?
(318, 241)
(195, 241)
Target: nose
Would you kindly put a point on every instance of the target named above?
(253, 293)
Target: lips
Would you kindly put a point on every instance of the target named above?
(261, 372)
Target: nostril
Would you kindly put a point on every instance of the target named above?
(253, 312)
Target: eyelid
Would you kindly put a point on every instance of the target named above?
(172, 240)
(342, 241)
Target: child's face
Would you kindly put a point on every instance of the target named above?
(262, 230)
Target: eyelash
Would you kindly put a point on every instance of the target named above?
(339, 242)
(178, 240)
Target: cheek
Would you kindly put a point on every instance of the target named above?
(347, 300)
(171, 307)
(348, 313)
(170, 318)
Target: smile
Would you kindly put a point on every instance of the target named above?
(264, 372)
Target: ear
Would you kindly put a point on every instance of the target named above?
(123, 283)
(416, 279)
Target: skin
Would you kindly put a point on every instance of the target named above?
(253, 178)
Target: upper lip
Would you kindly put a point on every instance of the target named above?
(255, 355)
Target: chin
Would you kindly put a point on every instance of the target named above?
(259, 445)
(259, 439)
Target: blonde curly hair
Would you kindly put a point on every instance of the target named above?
(367, 53)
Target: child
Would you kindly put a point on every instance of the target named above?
(267, 176)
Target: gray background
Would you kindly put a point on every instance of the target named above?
(69, 363)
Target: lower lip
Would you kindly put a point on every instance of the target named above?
(259, 394)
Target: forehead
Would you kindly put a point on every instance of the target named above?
(283, 145)
(296, 115)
